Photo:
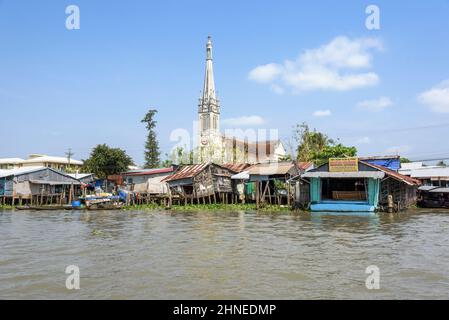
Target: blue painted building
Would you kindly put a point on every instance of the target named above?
(364, 189)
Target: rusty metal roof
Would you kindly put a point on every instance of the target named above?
(187, 171)
(236, 167)
(394, 174)
(303, 166)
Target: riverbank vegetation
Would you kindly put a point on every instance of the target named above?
(211, 207)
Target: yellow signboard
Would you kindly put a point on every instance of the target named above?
(343, 165)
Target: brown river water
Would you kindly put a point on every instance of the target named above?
(224, 255)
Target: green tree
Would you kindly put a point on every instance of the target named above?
(318, 147)
(405, 160)
(333, 151)
(152, 153)
(309, 142)
(167, 162)
(104, 161)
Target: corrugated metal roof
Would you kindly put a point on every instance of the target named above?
(356, 174)
(26, 170)
(411, 165)
(440, 190)
(273, 168)
(426, 188)
(236, 167)
(149, 172)
(80, 175)
(303, 166)
(187, 171)
(432, 172)
(18, 171)
(394, 174)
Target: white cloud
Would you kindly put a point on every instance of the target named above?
(334, 66)
(322, 113)
(375, 105)
(265, 73)
(244, 121)
(277, 89)
(437, 98)
(363, 140)
(398, 149)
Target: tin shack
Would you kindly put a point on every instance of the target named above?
(352, 185)
(37, 185)
(199, 183)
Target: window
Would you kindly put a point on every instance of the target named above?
(347, 189)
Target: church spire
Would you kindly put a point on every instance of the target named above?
(209, 83)
(209, 105)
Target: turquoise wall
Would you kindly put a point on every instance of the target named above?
(373, 191)
(315, 190)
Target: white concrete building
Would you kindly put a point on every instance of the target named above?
(41, 160)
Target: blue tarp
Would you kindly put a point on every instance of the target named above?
(99, 183)
(392, 164)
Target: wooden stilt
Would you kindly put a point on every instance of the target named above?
(257, 195)
(269, 192)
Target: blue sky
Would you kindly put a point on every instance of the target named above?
(63, 89)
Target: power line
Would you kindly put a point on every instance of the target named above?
(434, 159)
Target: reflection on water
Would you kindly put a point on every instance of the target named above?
(226, 255)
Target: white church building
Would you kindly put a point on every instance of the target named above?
(219, 148)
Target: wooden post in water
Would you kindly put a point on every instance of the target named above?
(257, 195)
(269, 192)
(71, 194)
(169, 197)
(390, 203)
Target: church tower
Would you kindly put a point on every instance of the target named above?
(209, 105)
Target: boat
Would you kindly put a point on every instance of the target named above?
(433, 197)
(45, 208)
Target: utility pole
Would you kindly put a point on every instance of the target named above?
(69, 155)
